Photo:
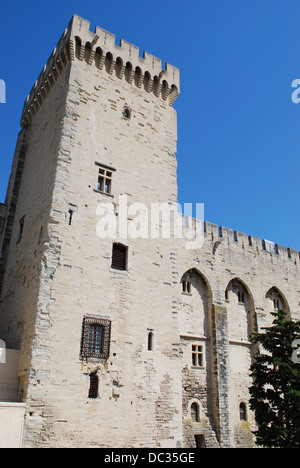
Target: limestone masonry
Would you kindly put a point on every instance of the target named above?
(115, 342)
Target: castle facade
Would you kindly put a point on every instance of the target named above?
(122, 341)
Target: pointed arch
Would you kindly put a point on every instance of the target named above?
(196, 297)
(275, 300)
(242, 321)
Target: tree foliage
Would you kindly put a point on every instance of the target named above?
(275, 394)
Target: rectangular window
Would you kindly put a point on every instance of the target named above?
(119, 257)
(95, 340)
(197, 356)
(104, 183)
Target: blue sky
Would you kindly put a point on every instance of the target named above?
(239, 131)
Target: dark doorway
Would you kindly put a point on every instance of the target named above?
(200, 441)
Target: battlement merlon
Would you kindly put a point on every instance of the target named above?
(127, 52)
(164, 82)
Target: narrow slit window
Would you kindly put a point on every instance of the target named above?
(21, 229)
(71, 212)
(195, 412)
(243, 412)
(150, 341)
(94, 386)
(41, 232)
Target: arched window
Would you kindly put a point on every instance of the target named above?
(94, 384)
(195, 412)
(150, 341)
(243, 412)
(186, 285)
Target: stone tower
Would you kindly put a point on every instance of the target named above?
(93, 318)
(117, 334)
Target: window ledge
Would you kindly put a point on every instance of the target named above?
(115, 270)
(103, 193)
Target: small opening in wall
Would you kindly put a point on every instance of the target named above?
(21, 229)
(71, 212)
(94, 384)
(195, 412)
(243, 412)
(119, 257)
(200, 441)
(41, 235)
(150, 341)
(127, 113)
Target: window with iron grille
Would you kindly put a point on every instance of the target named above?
(95, 341)
(119, 257)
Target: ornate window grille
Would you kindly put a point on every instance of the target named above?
(95, 341)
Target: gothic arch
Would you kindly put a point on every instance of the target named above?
(242, 321)
(196, 303)
(274, 300)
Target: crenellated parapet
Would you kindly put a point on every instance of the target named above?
(219, 234)
(58, 60)
(98, 49)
